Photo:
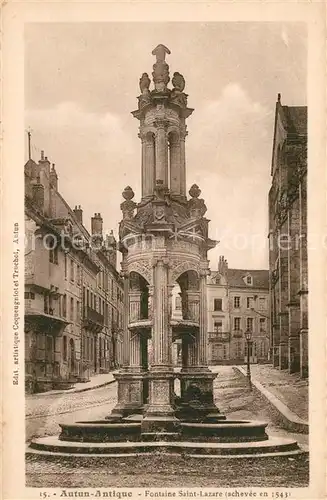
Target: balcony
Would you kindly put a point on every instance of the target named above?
(92, 319)
(44, 321)
(219, 336)
(237, 334)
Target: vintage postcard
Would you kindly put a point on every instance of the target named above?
(163, 250)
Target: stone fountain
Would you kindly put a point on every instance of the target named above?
(164, 241)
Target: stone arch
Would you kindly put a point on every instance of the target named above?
(189, 285)
(139, 292)
(180, 267)
(142, 268)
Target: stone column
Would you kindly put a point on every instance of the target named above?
(130, 377)
(182, 165)
(196, 379)
(161, 154)
(126, 332)
(193, 305)
(143, 168)
(135, 342)
(161, 349)
(159, 417)
(175, 166)
(149, 170)
(203, 330)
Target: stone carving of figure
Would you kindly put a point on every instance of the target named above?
(178, 81)
(145, 83)
(177, 95)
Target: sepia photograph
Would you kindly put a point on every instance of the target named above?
(165, 264)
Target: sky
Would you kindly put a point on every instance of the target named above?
(81, 84)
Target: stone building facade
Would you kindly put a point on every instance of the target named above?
(288, 261)
(238, 300)
(73, 292)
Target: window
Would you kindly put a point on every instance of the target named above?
(78, 277)
(262, 303)
(224, 351)
(46, 304)
(249, 302)
(72, 309)
(262, 322)
(52, 246)
(237, 323)
(218, 326)
(72, 277)
(64, 306)
(218, 304)
(249, 323)
(249, 280)
(237, 301)
(88, 298)
(77, 311)
(64, 348)
(29, 295)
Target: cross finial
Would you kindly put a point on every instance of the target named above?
(160, 52)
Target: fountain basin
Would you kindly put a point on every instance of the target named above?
(224, 431)
(100, 431)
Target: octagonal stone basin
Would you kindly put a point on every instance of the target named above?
(230, 431)
(104, 431)
(100, 431)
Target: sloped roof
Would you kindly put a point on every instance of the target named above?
(235, 278)
(297, 117)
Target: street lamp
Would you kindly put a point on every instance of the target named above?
(248, 337)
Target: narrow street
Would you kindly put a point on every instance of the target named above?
(45, 412)
(232, 397)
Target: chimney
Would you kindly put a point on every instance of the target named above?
(45, 164)
(96, 224)
(53, 177)
(111, 247)
(38, 194)
(222, 265)
(78, 213)
(111, 240)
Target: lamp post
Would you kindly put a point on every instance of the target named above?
(248, 337)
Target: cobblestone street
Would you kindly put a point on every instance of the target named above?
(233, 399)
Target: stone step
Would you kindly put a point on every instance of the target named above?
(273, 445)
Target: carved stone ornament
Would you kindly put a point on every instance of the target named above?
(178, 81)
(159, 212)
(178, 268)
(128, 193)
(196, 206)
(142, 267)
(128, 206)
(145, 83)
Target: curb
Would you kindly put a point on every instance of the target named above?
(74, 391)
(280, 412)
